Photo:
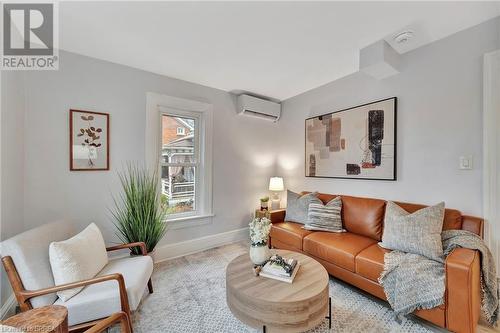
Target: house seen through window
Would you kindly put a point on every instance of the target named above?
(179, 163)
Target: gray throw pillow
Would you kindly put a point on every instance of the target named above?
(418, 232)
(325, 217)
(297, 206)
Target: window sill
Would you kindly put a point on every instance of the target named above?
(189, 221)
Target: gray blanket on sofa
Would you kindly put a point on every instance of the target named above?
(412, 282)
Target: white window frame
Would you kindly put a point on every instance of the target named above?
(181, 131)
(156, 106)
(197, 156)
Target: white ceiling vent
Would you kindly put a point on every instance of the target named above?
(258, 108)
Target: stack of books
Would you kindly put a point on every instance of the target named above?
(279, 268)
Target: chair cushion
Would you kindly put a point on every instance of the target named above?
(30, 253)
(370, 262)
(78, 258)
(337, 248)
(363, 216)
(289, 233)
(102, 299)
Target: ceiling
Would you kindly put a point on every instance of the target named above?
(274, 49)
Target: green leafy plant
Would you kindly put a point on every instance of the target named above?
(264, 199)
(139, 213)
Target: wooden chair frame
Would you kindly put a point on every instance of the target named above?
(104, 324)
(23, 296)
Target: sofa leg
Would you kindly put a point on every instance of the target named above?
(150, 286)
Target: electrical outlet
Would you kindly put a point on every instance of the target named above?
(465, 163)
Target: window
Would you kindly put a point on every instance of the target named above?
(181, 131)
(184, 162)
(180, 162)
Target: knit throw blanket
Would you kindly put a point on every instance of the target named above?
(413, 282)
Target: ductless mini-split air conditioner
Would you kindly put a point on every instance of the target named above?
(258, 108)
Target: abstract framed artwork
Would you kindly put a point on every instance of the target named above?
(354, 143)
(88, 140)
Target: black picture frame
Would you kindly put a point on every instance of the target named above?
(394, 175)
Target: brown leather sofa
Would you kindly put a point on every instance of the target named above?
(356, 258)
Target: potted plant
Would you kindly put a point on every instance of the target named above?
(264, 203)
(259, 235)
(139, 214)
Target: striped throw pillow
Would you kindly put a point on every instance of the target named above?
(325, 217)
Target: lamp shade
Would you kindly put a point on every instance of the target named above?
(276, 184)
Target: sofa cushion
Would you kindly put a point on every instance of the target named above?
(298, 206)
(325, 217)
(370, 262)
(102, 299)
(418, 232)
(338, 248)
(289, 233)
(79, 258)
(325, 198)
(30, 253)
(452, 217)
(363, 216)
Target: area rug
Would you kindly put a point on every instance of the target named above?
(189, 296)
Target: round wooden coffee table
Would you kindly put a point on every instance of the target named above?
(279, 306)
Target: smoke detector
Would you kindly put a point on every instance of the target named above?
(403, 37)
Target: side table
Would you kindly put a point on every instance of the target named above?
(46, 319)
(265, 213)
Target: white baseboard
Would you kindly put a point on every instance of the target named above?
(8, 308)
(171, 251)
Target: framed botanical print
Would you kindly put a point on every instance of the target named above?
(355, 143)
(88, 140)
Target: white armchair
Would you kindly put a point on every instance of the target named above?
(119, 286)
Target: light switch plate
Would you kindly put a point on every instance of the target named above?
(465, 163)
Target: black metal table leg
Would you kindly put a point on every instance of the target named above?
(329, 317)
(264, 329)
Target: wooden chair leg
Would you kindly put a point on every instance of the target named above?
(150, 286)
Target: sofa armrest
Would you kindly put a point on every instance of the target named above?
(473, 224)
(142, 245)
(463, 290)
(277, 215)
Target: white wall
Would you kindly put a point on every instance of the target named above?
(12, 161)
(439, 119)
(242, 155)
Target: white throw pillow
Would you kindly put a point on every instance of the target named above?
(78, 258)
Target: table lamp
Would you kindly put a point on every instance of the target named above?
(276, 186)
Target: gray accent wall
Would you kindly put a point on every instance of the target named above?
(84, 83)
(12, 120)
(37, 186)
(440, 96)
